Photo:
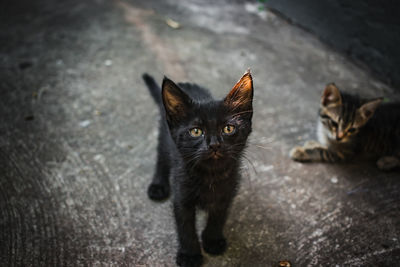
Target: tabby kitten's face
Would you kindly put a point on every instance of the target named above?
(343, 116)
(211, 134)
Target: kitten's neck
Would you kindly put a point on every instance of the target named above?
(220, 169)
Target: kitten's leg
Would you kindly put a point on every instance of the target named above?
(189, 253)
(312, 144)
(314, 152)
(212, 236)
(159, 188)
(388, 163)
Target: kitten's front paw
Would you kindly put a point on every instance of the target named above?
(214, 246)
(189, 260)
(311, 144)
(388, 163)
(158, 192)
(299, 154)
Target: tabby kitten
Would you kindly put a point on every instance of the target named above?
(350, 127)
(201, 141)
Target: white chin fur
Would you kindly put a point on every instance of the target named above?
(323, 134)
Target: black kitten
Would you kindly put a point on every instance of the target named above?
(201, 141)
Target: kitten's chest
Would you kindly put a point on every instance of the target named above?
(214, 192)
(322, 134)
(208, 196)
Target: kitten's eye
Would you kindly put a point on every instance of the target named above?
(351, 130)
(229, 129)
(334, 124)
(196, 132)
(325, 117)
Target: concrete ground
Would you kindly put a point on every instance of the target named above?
(367, 31)
(78, 137)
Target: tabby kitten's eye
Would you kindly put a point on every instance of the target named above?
(229, 129)
(334, 124)
(196, 132)
(351, 130)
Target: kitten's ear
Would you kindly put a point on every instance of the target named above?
(241, 95)
(365, 112)
(176, 102)
(331, 96)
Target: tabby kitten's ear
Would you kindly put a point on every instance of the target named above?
(365, 112)
(240, 98)
(331, 96)
(176, 102)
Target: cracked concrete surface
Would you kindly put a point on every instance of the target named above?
(78, 137)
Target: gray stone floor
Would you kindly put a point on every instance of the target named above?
(78, 137)
(367, 31)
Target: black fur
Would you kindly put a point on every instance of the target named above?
(198, 179)
(154, 89)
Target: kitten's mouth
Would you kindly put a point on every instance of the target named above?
(215, 155)
(341, 140)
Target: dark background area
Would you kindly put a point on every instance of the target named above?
(367, 31)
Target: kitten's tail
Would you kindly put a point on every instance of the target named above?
(154, 89)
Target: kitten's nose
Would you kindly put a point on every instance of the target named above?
(339, 136)
(214, 147)
(214, 144)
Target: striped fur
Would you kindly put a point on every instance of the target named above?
(351, 127)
